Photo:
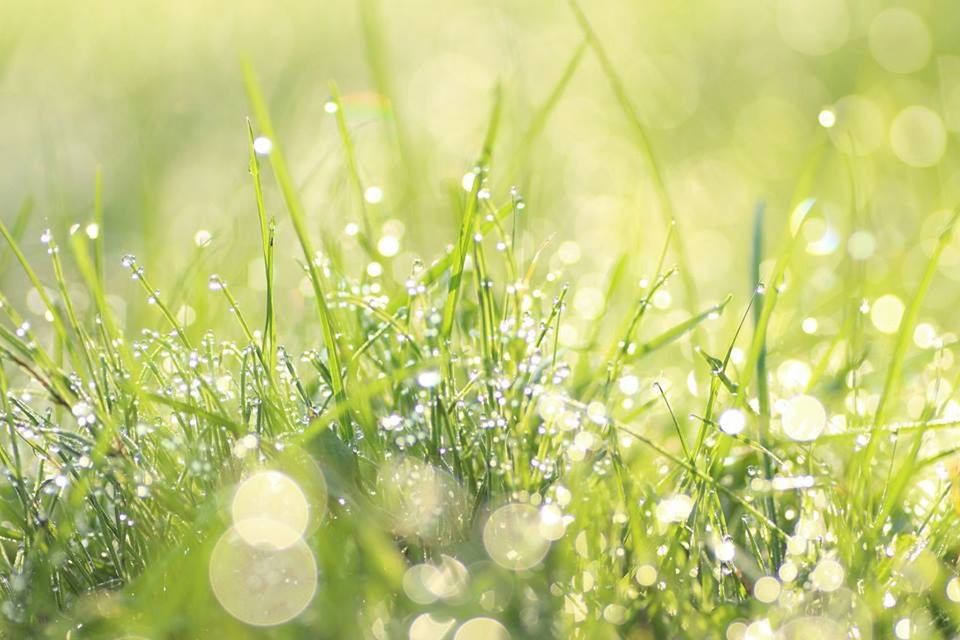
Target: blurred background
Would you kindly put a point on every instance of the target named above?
(855, 103)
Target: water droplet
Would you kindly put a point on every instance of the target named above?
(429, 379)
(215, 283)
(388, 246)
(732, 421)
(202, 238)
(827, 118)
(674, 509)
(262, 145)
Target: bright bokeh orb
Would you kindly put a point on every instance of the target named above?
(270, 509)
(262, 585)
(899, 40)
(918, 137)
(766, 589)
(421, 500)
(803, 418)
(886, 313)
(732, 421)
(512, 537)
(813, 27)
(482, 629)
(427, 627)
(828, 575)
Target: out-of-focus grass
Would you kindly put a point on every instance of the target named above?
(599, 321)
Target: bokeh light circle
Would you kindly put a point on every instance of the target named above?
(918, 137)
(270, 509)
(899, 40)
(803, 418)
(482, 629)
(261, 585)
(813, 27)
(512, 537)
(422, 500)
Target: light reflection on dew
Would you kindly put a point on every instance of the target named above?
(512, 537)
(270, 509)
(482, 629)
(262, 586)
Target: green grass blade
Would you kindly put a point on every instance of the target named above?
(468, 222)
(298, 217)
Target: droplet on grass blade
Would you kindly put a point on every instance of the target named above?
(262, 145)
(202, 238)
(732, 421)
(429, 379)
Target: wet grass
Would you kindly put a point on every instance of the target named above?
(470, 470)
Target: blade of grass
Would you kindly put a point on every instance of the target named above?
(298, 217)
(468, 223)
(646, 148)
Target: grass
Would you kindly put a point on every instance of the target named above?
(466, 468)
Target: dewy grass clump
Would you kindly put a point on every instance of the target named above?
(448, 456)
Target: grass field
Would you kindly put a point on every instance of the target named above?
(411, 321)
